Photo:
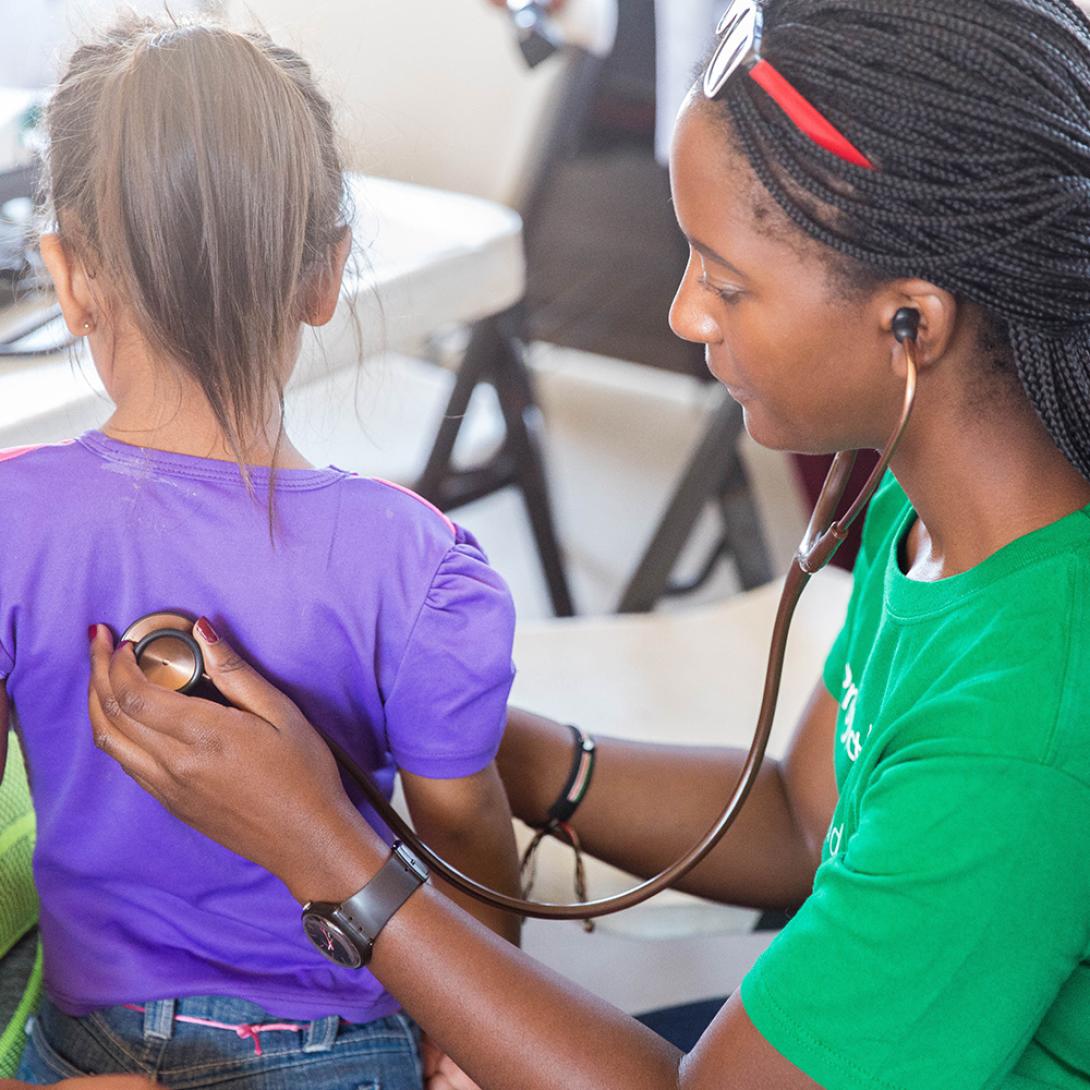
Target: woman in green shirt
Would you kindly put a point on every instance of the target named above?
(931, 814)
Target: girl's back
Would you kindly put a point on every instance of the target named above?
(377, 614)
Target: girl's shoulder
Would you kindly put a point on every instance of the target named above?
(409, 528)
(37, 479)
(403, 503)
(34, 455)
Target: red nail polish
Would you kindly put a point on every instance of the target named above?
(92, 631)
(206, 631)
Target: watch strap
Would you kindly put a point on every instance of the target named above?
(368, 911)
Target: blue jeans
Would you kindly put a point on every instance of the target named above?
(327, 1054)
(684, 1025)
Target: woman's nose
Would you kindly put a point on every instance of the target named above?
(689, 316)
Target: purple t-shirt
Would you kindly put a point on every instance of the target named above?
(378, 615)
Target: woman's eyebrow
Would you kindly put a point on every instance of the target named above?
(711, 255)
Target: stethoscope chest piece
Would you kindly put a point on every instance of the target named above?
(166, 651)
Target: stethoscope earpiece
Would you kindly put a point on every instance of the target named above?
(906, 324)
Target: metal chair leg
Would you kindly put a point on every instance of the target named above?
(477, 362)
(525, 433)
(495, 355)
(714, 471)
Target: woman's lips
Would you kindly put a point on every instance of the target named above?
(720, 375)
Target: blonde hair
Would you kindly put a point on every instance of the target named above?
(196, 166)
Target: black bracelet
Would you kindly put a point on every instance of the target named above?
(560, 814)
(578, 782)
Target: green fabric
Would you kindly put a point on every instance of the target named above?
(18, 901)
(945, 945)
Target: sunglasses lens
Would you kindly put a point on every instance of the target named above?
(738, 28)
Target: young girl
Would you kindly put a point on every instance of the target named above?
(931, 813)
(200, 221)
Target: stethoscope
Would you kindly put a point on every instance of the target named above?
(170, 656)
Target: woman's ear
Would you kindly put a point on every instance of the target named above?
(938, 311)
(325, 292)
(70, 282)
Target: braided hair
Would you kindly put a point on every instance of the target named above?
(977, 116)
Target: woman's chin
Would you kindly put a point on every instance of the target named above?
(774, 435)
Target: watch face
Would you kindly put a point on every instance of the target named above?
(331, 941)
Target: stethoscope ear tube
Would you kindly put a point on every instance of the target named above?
(816, 551)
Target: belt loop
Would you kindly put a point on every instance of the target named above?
(159, 1020)
(321, 1034)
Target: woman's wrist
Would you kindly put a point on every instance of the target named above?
(335, 857)
(534, 760)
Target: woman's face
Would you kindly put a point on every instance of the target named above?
(809, 364)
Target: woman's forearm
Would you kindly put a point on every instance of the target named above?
(650, 803)
(504, 1018)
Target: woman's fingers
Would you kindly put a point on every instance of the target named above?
(239, 682)
(125, 696)
(230, 773)
(116, 743)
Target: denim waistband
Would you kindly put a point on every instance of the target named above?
(161, 1016)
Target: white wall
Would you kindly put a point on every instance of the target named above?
(36, 35)
(430, 91)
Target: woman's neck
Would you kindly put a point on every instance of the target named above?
(979, 481)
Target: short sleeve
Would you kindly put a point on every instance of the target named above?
(447, 707)
(938, 936)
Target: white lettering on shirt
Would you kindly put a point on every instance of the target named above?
(850, 738)
(836, 833)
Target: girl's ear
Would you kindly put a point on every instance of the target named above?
(326, 289)
(70, 282)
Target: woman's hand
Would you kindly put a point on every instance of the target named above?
(256, 777)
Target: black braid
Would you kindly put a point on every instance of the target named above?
(977, 115)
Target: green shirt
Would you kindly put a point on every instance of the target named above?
(946, 943)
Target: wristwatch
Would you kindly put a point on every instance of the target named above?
(346, 933)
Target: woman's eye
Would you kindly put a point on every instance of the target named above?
(728, 295)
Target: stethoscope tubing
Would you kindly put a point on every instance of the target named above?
(817, 549)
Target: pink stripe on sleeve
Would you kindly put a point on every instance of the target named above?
(17, 452)
(419, 499)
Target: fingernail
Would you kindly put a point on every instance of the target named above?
(123, 644)
(206, 631)
(92, 631)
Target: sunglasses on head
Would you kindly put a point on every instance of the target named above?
(740, 31)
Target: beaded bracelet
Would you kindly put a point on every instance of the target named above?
(558, 817)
